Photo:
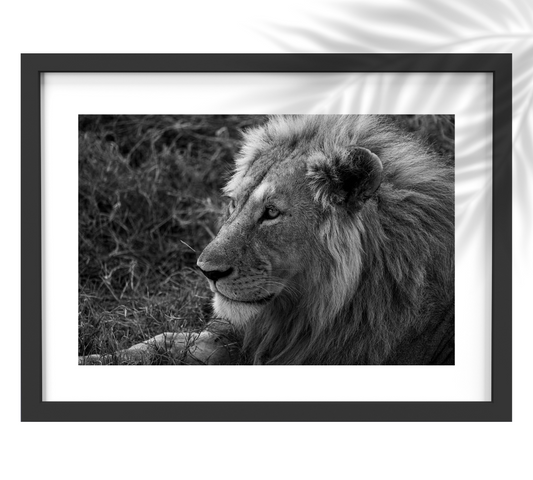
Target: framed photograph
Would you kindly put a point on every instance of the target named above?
(300, 237)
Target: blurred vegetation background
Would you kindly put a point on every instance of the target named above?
(149, 202)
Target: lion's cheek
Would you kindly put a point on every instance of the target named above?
(285, 254)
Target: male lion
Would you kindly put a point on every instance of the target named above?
(337, 248)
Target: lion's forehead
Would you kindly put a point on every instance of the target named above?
(263, 190)
(265, 177)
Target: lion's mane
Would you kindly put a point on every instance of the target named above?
(383, 275)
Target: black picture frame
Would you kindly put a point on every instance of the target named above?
(33, 408)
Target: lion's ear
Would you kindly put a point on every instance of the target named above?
(349, 178)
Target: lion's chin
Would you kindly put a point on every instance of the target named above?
(237, 313)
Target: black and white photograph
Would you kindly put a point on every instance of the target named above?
(266, 240)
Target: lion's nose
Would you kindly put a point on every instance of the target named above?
(216, 274)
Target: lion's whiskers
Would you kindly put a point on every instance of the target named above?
(290, 289)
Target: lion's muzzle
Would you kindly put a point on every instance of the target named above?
(217, 274)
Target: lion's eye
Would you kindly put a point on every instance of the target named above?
(271, 213)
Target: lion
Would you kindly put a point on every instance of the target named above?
(337, 247)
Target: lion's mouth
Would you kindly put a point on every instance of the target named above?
(261, 301)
